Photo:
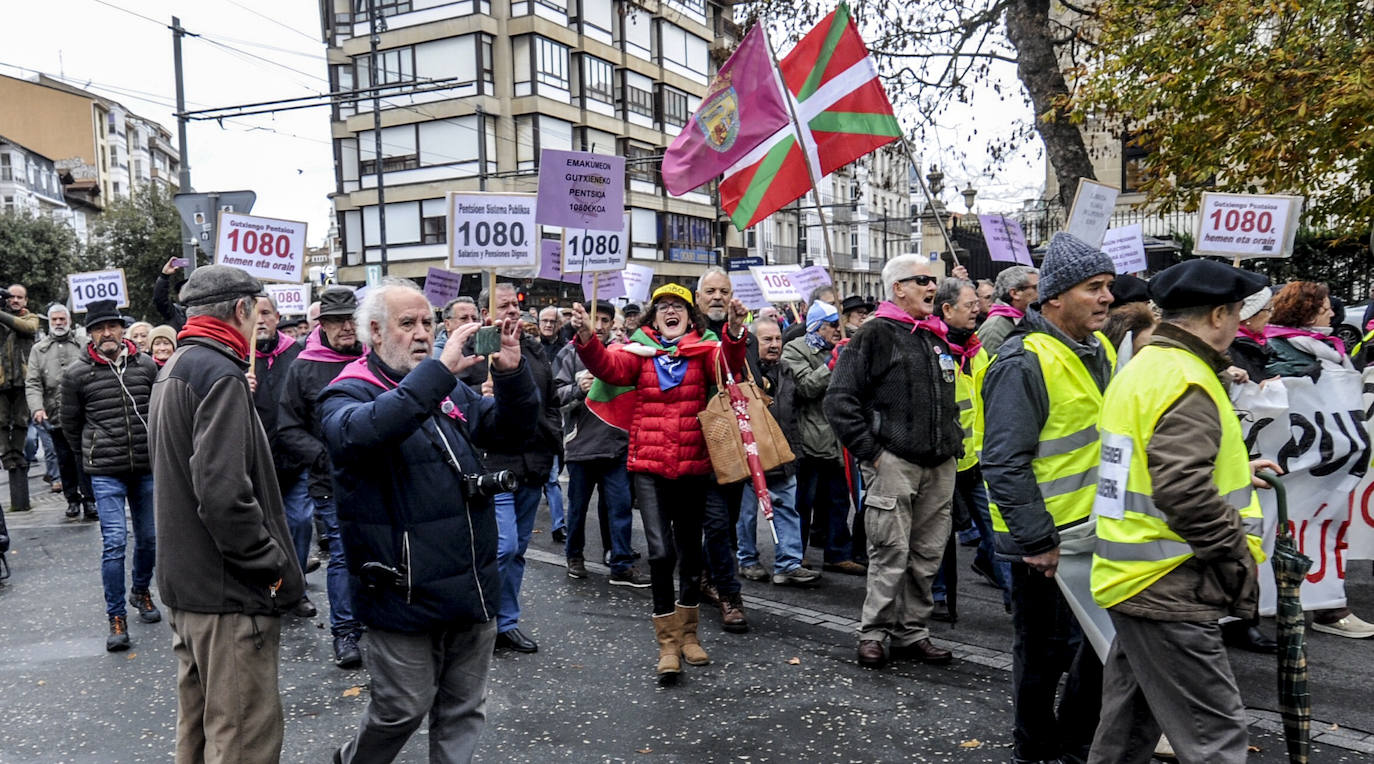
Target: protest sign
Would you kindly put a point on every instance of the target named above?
(265, 248)
(579, 189)
(747, 290)
(291, 299)
(638, 279)
(1091, 212)
(1005, 239)
(1126, 247)
(89, 287)
(489, 230)
(776, 282)
(442, 286)
(807, 280)
(609, 284)
(588, 251)
(1247, 225)
(551, 262)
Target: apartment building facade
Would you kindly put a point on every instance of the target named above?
(489, 84)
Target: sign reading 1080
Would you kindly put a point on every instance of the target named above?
(491, 230)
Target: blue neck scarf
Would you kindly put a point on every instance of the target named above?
(815, 341)
(671, 369)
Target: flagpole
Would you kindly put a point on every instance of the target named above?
(806, 160)
(930, 201)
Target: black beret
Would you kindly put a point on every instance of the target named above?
(1202, 282)
(1127, 289)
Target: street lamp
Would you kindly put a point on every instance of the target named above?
(969, 193)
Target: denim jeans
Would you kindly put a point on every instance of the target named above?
(299, 516)
(514, 523)
(612, 484)
(787, 553)
(337, 583)
(111, 492)
(40, 434)
(554, 493)
(718, 530)
(823, 504)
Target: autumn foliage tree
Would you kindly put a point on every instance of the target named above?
(1241, 97)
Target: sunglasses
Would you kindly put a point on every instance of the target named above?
(921, 279)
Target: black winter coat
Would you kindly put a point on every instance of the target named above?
(270, 373)
(781, 386)
(300, 438)
(401, 501)
(530, 458)
(105, 409)
(162, 300)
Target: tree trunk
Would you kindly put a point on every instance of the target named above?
(1028, 28)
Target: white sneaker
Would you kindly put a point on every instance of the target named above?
(1349, 626)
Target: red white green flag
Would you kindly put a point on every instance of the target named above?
(842, 111)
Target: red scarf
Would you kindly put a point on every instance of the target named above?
(1003, 309)
(220, 331)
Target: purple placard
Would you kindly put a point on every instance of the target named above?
(579, 189)
(551, 262)
(609, 284)
(807, 279)
(442, 286)
(1006, 242)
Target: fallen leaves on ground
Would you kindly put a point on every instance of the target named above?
(352, 692)
(794, 661)
(974, 743)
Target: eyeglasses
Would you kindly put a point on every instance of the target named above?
(921, 279)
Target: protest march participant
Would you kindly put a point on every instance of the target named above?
(1178, 528)
(18, 332)
(416, 513)
(1249, 350)
(891, 403)
(328, 349)
(48, 361)
(138, 334)
(986, 290)
(856, 311)
(174, 313)
(226, 568)
(162, 342)
(1015, 290)
(104, 409)
(1044, 392)
(668, 366)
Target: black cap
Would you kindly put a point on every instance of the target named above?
(219, 283)
(103, 311)
(1202, 282)
(1127, 289)
(631, 309)
(337, 301)
(605, 306)
(855, 302)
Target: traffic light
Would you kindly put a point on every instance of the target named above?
(522, 295)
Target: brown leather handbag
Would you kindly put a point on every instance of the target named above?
(721, 426)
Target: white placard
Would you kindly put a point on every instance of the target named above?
(587, 251)
(1247, 225)
(1126, 247)
(267, 249)
(773, 281)
(86, 288)
(291, 299)
(746, 290)
(638, 279)
(1091, 212)
(488, 231)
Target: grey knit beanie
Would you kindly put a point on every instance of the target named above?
(1070, 261)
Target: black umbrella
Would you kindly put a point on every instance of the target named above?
(1290, 566)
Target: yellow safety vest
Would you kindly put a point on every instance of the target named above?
(1065, 462)
(1135, 546)
(968, 395)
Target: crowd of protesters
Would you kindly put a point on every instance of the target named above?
(949, 413)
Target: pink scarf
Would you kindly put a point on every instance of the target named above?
(933, 324)
(1258, 337)
(1003, 309)
(1272, 331)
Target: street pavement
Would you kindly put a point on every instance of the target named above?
(788, 691)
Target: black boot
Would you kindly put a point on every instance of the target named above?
(88, 511)
(19, 490)
(73, 510)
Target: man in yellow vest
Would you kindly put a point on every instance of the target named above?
(1041, 399)
(1178, 528)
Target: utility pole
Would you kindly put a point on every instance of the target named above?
(188, 247)
(375, 25)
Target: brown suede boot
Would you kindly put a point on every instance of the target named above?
(692, 651)
(668, 629)
(732, 614)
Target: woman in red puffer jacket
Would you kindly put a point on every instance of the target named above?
(654, 386)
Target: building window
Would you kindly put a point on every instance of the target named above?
(1133, 157)
(639, 101)
(6, 169)
(434, 230)
(485, 59)
(384, 8)
(551, 63)
(674, 107)
(9, 204)
(641, 162)
(115, 186)
(598, 79)
(399, 150)
(393, 66)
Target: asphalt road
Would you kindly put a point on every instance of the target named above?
(788, 691)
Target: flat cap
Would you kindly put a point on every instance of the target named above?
(217, 283)
(1202, 282)
(337, 301)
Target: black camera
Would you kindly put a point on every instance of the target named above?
(490, 484)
